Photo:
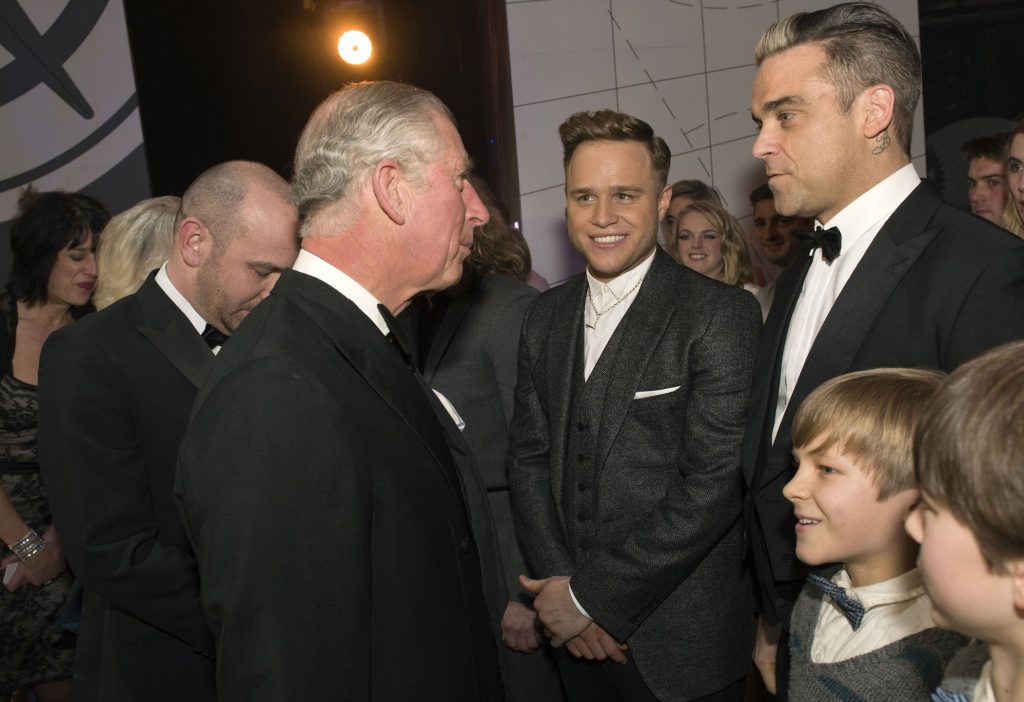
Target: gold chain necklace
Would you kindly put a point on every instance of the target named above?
(609, 308)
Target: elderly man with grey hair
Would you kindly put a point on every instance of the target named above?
(318, 477)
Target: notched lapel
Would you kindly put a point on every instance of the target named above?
(563, 343)
(168, 329)
(183, 347)
(457, 310)
(641, 330)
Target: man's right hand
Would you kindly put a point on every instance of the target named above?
(597, 644)
(519, 628)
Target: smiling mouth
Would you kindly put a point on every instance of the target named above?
(609, 238)
(805, 522)
(697, 256)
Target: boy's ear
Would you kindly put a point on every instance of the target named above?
(1016, 569)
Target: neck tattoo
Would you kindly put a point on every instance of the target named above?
(600, 313)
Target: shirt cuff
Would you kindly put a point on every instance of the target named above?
(578, 605)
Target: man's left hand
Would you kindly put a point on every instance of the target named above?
(597, 644)
(561, 618)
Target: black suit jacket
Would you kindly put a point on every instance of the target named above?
(115, 390)
(472, 361)
(666, 573)
(319, 489)
(936, 287)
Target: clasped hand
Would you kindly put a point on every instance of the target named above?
(566, 625)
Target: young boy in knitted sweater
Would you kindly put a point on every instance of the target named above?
(969, 455)
(863, 629)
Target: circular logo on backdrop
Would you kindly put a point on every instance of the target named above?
(64, 90)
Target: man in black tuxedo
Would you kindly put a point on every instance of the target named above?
(318, 476)
(624, 463)
(115, 391)
(898, 279)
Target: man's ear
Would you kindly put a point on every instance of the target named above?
(663, 202)
(391, 190)
(194, 242)
(878, 104)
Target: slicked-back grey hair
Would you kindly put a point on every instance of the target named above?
(864, 45)
(355, 129)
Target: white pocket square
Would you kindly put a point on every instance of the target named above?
(654, 393)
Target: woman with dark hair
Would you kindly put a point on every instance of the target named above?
(52, 277)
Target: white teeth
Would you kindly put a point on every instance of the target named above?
(610, 239)
(807, 521)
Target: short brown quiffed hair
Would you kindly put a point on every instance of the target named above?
(609, 125)
(864, 45)
(969, 450)
(870, 415)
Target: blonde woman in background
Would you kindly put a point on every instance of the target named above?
(709, 241)
(134, 243)
(1013, 215)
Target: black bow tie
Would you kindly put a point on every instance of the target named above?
(852, 609)
(396, 337)
(830, 241)
(213, 337)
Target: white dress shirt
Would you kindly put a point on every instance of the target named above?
(858, 223)
(616, 296)
(983, 691)
(893, 610)
(181, 303)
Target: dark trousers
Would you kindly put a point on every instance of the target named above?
(607, 681)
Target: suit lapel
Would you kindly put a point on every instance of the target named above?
(895, 249)
(638, 335)
(765, 391)
(453, 316)
(369, 352)
(564, 342)
(168, 329)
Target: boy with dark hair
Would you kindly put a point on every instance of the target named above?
(968, 453)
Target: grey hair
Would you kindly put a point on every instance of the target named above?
(133, 243)
(351, 132)
(864, 45)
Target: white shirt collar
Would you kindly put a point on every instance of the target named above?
(874, 206)
(164, 281)
(899, 589)
(619, 285)
(314, 266)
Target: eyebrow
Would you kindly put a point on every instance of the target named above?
(785, 100)
(614, 188)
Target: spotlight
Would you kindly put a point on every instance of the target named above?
(355, 47)
(355, 28)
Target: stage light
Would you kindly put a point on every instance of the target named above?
(355, 47)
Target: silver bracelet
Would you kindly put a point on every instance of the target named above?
(28, 547)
